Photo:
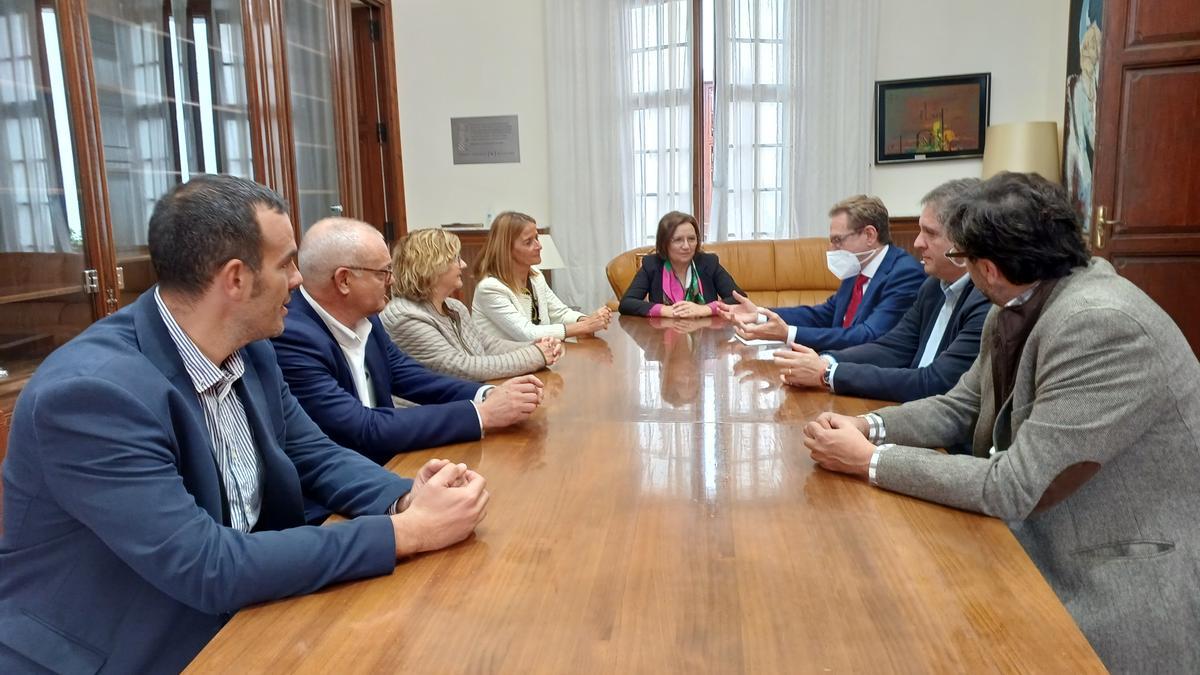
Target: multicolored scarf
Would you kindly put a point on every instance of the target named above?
(673, 292)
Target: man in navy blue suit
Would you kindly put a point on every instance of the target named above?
(879, 284)
(156, 462)
(342, 367)
(935, 342)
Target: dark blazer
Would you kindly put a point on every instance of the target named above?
(114, 557)
(888, 297)
(717, 283)
(887, 368)
(317, 372)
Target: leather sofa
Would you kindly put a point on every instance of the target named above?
(774, 273)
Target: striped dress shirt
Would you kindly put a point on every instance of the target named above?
(232, 442)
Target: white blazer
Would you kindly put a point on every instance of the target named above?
(499, 311)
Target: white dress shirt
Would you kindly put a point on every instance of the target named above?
(952, 292)
(353, 342)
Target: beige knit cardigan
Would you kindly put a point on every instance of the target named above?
(453, 344)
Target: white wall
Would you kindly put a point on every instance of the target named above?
(465, 58)
(1022, 43)
(483, 57)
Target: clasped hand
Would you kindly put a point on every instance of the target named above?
(447, 501)
(551, 348)
(686, 310)
(839, 443)
(510, 402)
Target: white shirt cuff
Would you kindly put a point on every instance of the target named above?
(872, 470)
(791, 338)
(479, 396)
(876, 432)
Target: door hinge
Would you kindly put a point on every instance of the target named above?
(373, 28)
(120, 278)
(389, 231)
(91, 281)
(381, 133)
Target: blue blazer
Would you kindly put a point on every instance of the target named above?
(647, 283)
(889, 295)
(317, 372)
(114, 556)
(887, 368)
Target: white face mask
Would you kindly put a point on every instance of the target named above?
(845, 264)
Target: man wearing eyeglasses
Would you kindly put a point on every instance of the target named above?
(342, 367)
(157, 462)
(936, 340)
(1082, 412)
(879, 284)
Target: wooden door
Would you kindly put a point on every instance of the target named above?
(1147, 172)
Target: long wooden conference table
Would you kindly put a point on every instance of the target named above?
(660, 514)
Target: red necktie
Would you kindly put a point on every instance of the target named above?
(855, 299)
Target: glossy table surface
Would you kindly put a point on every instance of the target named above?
(659, 513)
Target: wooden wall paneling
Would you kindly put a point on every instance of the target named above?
(904, 232)
(84, 106)
(370, 130)
(390, 100)
(1147, 218)
(270, 106)
(341, 63)
(1153, 22)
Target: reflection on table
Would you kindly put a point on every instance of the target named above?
(660, 514)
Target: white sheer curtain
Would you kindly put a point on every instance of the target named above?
(619, 103)
(792, 113)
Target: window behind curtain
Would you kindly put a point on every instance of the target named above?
(751, 104)
(660, 72)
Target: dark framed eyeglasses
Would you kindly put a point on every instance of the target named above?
(836, 240)
(383, 273)
(959, 258)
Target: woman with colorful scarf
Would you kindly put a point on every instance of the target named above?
(678, 279)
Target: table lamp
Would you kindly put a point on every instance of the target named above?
(1023, 147)
(551, 258)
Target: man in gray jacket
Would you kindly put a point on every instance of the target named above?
(1083, 412)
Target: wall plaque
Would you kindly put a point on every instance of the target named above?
(485, 140)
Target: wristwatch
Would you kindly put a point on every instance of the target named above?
(827, 375)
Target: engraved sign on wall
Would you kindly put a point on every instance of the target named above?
(485, 140)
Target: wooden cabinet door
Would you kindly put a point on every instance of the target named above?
(1147, 188)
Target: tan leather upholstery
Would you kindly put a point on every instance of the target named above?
(774, 273)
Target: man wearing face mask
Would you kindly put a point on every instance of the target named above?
(1081, 412)
(935, 342)
(879, 284)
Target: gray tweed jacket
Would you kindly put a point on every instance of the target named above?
(1105, 377)
(455, 345)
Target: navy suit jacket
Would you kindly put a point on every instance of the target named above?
(888, 296)
(647, 283)
(887, 368)
(114, 556)
(319, 375)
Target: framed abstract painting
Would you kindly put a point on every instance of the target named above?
(931, 118)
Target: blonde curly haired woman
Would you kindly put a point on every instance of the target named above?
(435, 329)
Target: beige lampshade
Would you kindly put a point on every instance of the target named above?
(551, 258)
(1024, 147)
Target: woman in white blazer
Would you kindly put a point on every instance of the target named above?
(429, 325)
(512, 299)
